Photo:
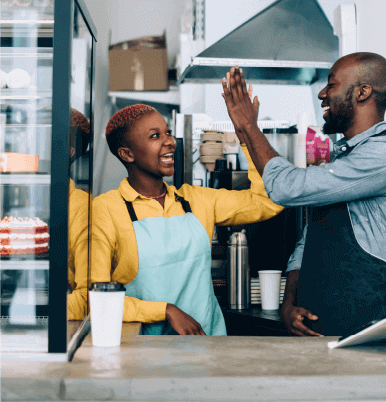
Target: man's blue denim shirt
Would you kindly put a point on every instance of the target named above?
(356, 175)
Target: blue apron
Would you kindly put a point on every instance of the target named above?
(175, 267)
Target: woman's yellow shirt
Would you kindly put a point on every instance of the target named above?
(114, 247)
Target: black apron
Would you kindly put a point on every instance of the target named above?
(339, 282)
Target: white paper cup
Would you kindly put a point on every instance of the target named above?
(304, 121)
(106, 307)
(270, 289)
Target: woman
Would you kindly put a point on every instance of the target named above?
(157, 239)
(78, 211)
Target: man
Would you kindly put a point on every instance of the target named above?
(337, 274)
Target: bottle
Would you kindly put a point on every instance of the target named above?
(238, 272)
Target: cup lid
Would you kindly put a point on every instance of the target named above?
(270, 271)
(107, 287)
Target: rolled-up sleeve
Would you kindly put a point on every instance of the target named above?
(295, 261)
(360, 173)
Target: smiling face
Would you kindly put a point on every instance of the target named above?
(338, 97)
(151, 147)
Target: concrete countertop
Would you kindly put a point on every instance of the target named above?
(256, 311)
(188, 368)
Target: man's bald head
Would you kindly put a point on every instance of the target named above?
(370, 69)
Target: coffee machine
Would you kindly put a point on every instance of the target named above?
(270, 243)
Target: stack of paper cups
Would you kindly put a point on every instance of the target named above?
(212, 148)
(270, 289)
(300, 157)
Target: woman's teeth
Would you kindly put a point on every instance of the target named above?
(167, 158)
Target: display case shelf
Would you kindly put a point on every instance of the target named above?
(24, 264)
(24, 93)
(25, 179)
(18, 125)
(36, 55)
(40, 295)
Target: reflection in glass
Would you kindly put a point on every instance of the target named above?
(80, 145)
(78, 221)
(25, 153)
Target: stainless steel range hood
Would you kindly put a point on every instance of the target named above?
(289, 42)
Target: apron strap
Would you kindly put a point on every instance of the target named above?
(130, 209)
(185, 204)
(129, 205)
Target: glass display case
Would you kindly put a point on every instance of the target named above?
(46, 147)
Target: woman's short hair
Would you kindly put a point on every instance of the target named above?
(80, 134)
(120, 125)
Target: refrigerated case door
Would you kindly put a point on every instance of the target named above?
(38, 174)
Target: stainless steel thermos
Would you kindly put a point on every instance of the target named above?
(238, 272)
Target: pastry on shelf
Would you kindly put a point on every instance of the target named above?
(18, 78)
(23, 236)
(15, 162)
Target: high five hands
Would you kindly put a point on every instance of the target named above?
(241, 109)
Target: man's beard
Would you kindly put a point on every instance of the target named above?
(341, 120)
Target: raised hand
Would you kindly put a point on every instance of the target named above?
(242, 111)
(250, 88)
(181, 322)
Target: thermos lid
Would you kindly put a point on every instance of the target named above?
(238, 239)
(107, 287)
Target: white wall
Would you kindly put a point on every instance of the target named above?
(371, 17)
(133, 19)
(278, 102)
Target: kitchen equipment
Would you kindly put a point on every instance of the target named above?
(289, 42)
(238, 272)
(283, 141)
(220, 165)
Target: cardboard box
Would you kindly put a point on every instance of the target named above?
(139, 65)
